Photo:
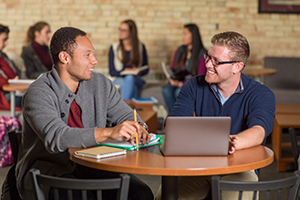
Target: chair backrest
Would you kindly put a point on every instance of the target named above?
(293, 136)
(287, 73)
(291, 184)
(69, 184)
(15, 140)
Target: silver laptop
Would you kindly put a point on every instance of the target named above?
(196, 136)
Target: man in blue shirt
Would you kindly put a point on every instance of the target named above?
(226, 91)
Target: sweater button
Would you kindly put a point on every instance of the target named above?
(67, 101)
(70, 95)
(62, 115)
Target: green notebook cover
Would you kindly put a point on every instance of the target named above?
(155, 140)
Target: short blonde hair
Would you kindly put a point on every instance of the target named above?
(237, 44)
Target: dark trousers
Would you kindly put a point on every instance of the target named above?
(138, 190)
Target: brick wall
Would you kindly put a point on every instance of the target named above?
(159, 24)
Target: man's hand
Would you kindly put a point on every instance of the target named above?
(248, 138)
(127, 130)
(232, 143)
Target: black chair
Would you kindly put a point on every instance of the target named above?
(69, 184)
(9, 188)
(291, 184)
(293, 136)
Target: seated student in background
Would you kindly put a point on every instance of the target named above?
(7, 71)
(226, 91)
(128, 54)
(188, 59)
(36, 54)
(71, 106)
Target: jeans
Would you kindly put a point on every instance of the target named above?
(138, 190)
(129, 85)
(170, 94)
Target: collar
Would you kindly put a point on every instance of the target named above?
(59, 86)
(239, 89)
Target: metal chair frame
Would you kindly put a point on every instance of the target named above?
(292, 183)
(41, 181)
(295, 149)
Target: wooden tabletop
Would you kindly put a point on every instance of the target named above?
(149, 161)
(13, 88)
(260, 71)
(288, 120)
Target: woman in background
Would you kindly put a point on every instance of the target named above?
(127, 56)
(188, 61)
(36, 54)
(7, 71)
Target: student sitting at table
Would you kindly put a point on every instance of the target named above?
(7, 71)
(36, 54)
(188, 61)
(226, 91)
(128, 54)
(71, 106)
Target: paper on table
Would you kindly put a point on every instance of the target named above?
(20, 81)
(120, 143)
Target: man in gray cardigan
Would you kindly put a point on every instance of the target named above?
(72, 107)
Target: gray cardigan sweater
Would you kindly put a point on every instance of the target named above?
(46, 136)
(33, 64)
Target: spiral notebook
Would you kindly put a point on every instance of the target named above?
(100, 152)
(154, 140)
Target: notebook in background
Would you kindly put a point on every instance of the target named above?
(196, 136)
(168, 72)
(134, 72)
(180, 76)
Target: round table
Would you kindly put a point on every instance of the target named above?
(258, 73)
(149, 161)
(12, 89)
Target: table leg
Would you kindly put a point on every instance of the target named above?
(169, 188)
(276, 140)
(12, 103)
(258, 78)
(277, 147)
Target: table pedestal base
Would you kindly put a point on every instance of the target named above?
(169, 187)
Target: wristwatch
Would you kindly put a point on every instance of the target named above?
(143, 124)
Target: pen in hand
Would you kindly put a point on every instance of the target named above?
(136, 136)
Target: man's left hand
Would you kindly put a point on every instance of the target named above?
(232, 143)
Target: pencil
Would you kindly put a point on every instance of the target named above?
(136, 136)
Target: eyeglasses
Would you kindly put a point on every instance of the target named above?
(214, 62)
(123, 30)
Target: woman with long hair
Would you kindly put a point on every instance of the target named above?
(126, 59)
(36, 54)
(188, 61)
(8, 70)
